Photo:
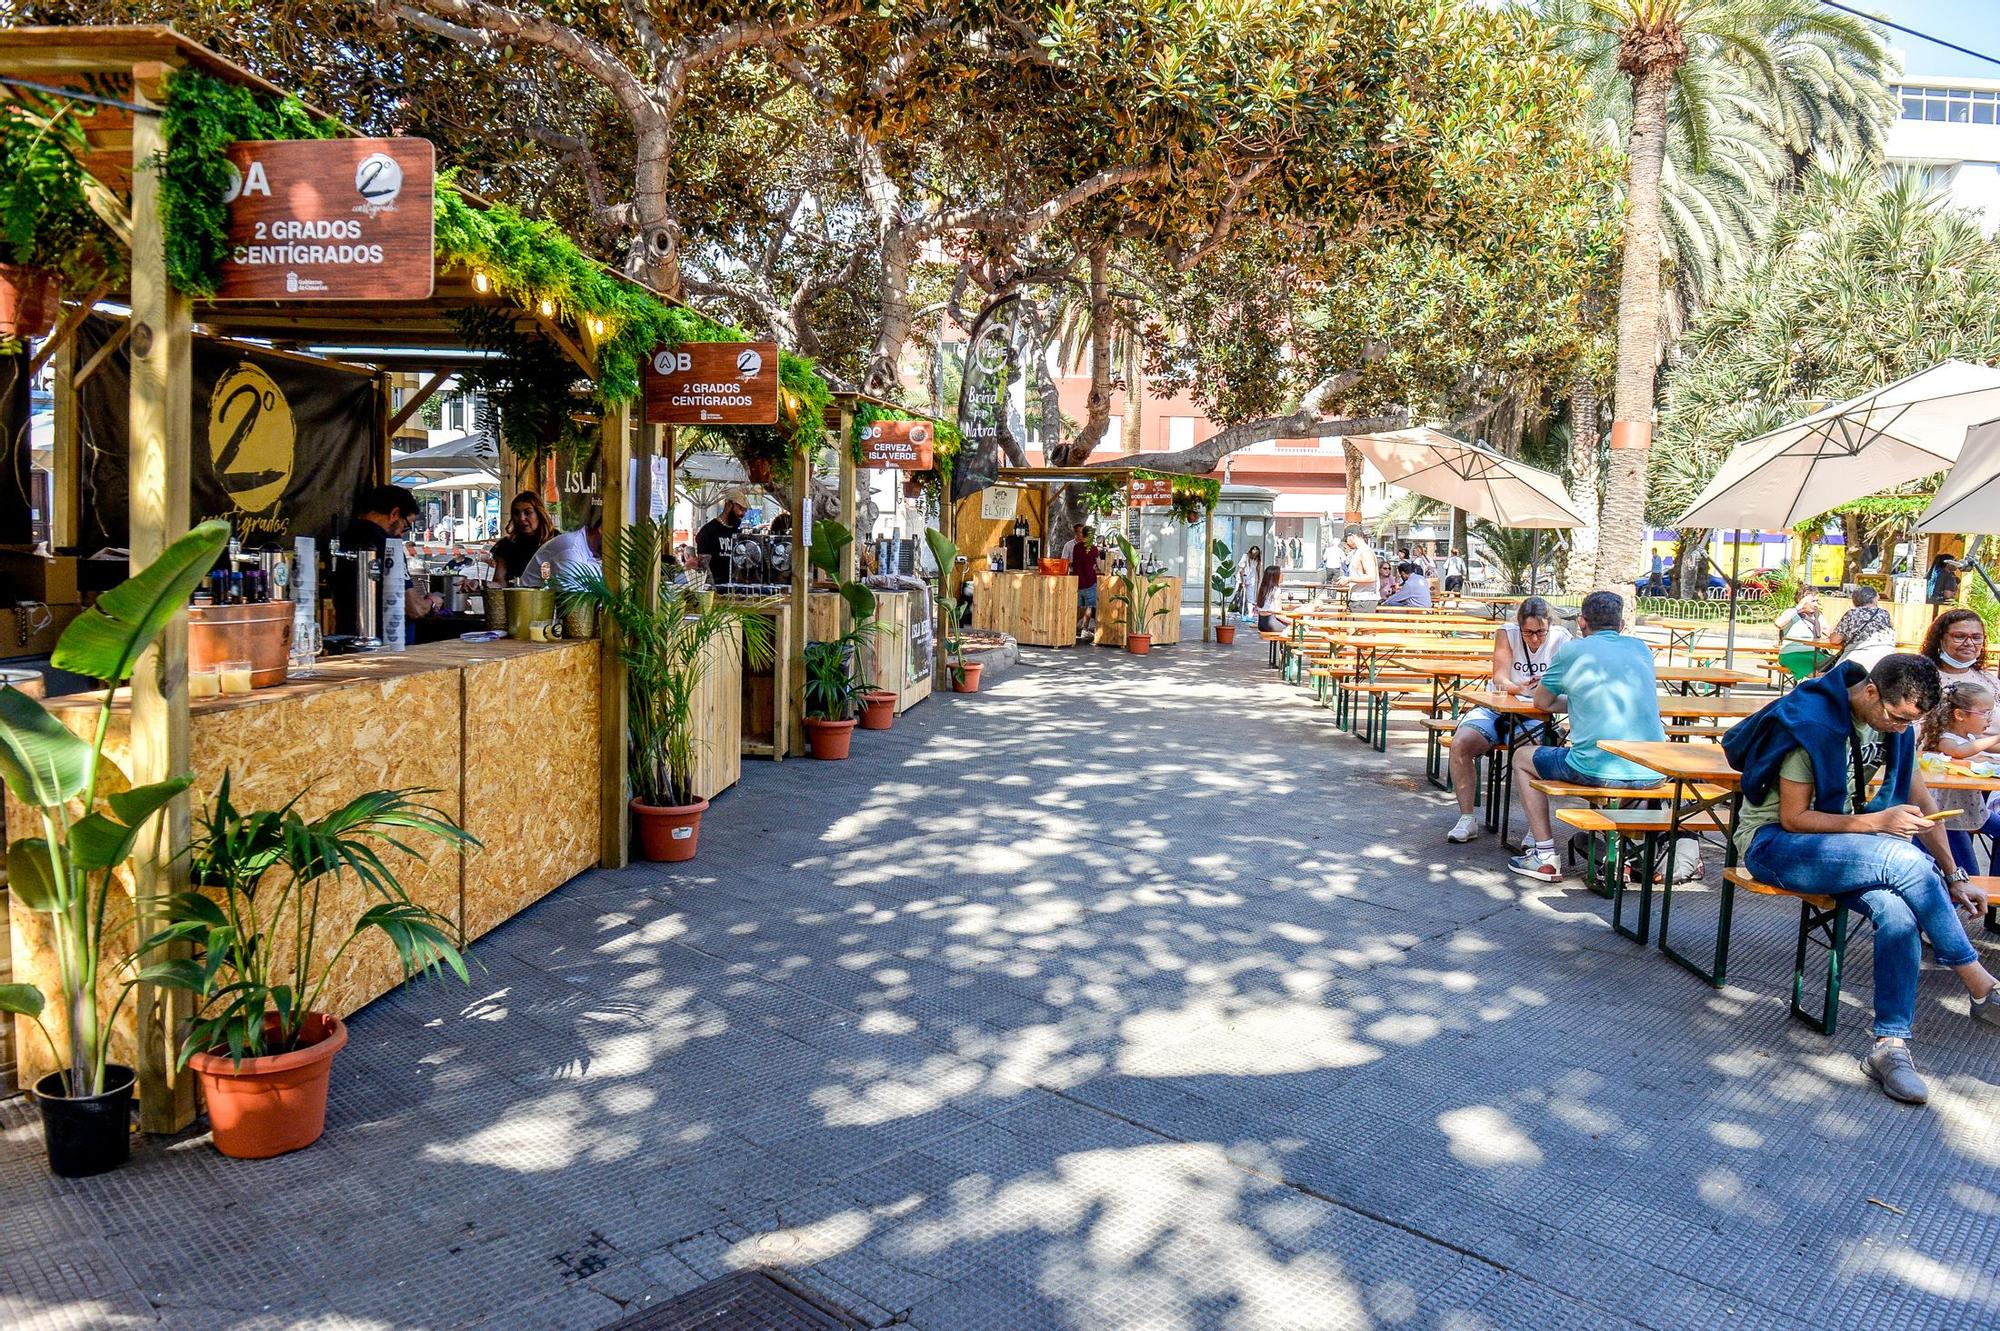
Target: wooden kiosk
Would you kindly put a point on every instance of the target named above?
(1040, 610)
(452, 717)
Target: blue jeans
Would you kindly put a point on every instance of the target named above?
(1961, 841)
(1552, 764)
(1891, 881)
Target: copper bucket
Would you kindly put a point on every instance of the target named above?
(260, 634)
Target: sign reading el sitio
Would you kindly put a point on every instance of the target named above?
(901, 445)
(329, 219)
(713, 383)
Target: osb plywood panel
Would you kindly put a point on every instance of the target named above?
(532, 776)
(1166, 617)
(1038, 611)
(718, 718)
(823, 616)
(396, 731)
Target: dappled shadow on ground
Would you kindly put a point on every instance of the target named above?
(1123, 995)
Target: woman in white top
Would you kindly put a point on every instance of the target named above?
(1268, 618)
(1798, 628)
(1358, 573)
(1522, 651)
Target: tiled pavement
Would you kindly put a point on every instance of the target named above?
(1129, 994)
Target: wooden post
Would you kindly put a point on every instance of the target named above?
(843, 452)
(383, 449)
(668, 444)
(66, 493)
(801, 592)
(614, 821)
(158, 494)
(1207, 574)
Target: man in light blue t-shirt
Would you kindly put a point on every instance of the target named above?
(1605, 680)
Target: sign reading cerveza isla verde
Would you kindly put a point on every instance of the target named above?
(329, 219)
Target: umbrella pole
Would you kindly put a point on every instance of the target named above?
(1735, 570)
(1534, 559)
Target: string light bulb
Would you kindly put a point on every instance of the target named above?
(548, 308)
(597, 327)
(479, 281)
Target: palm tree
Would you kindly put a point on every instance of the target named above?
(1695, 60)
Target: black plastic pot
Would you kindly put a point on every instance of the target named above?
(87, 1134)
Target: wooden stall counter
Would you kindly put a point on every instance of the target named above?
(891, 661)
(1166, 619)
(1035, 609)
(503, 734)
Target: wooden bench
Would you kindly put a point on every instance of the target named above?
(1822, 921)
(1436, 770)
(1277, 641)
(1382, 696)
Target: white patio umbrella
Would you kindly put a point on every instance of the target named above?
(1503, 490)
(1969, 499)
(1486, 484)
(473, 480)
(1863, 446)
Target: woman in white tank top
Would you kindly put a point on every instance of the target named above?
(1358, 572)
(1522, 651)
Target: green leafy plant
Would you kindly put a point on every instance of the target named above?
(45, 217)
(257, 912)
(1222, 578)
(664, 637)
(204, 115)
(1101, 497)
(834, 686)
(944, 553)
(69, 872)
(1137, 591)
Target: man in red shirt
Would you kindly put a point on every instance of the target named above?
(1083, 558)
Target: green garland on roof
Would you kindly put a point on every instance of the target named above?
(203, 116)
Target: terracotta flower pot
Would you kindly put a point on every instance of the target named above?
(878, 710)
(87, 1134)
(1225, 634)
(669, 833)
(829, 739)
(30, 300)
(1139, 644)
(277, 1103)
(969, 683)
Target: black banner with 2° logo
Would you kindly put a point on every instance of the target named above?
(281, 447)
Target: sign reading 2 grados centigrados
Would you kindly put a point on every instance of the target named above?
(713, 383)
(330, 219)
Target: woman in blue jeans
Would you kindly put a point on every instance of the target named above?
(1804, 758)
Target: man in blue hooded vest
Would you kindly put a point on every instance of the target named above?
(1806, 762)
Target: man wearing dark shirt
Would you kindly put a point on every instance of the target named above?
(1083, 566)
(723, 526)
(383, 513)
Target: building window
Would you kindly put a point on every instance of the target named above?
(1954, 106)
(1180, 432)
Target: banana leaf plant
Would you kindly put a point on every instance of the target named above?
(69, 872)
(256, 915)
(944, 552)
(826, 699)
(1223, 577)
(1137, 591)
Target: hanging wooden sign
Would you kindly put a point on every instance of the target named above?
(1149, 492)
(898, 445)
(713, 383)
(329, 219)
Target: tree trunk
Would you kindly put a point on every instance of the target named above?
(1132, 428)
(1622, 543)
(1853, 556)
(1580, 560)
(1097, 408)
(1690, 569)
(884, 377)
(1351, 460)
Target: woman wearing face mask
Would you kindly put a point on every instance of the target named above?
(1956, 641)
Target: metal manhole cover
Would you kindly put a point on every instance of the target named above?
(744, 1301)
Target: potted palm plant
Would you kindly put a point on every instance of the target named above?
(259, 918)
(964, 674)
(835, 695)
(70, 871)
(1137, 591)
(665, 638)
(1222, 580)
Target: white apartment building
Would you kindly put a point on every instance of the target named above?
(1950, 128)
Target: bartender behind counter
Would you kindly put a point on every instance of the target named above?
(528, 529)
(723, 526)
(382, 514)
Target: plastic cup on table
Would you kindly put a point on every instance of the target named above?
(236, 676)
(203, 682)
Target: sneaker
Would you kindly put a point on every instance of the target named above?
(1532, 865)
(1464, 830)
(1987, 1009)
(1891, 1067)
